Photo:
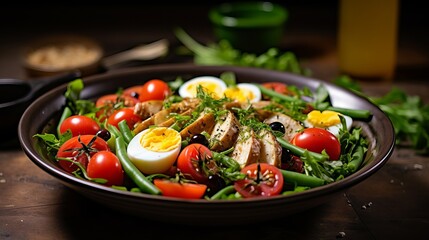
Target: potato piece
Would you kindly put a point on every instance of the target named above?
(225, 132)
(271, 150)
(247, 148)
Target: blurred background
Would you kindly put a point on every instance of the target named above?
(118, 27)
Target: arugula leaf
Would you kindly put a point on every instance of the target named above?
(408, 114)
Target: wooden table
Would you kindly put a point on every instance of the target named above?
(391, 204)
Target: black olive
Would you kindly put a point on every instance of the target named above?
(278, 126)
(104, 134)
(199, 138)
(214, 184)
(135, 95)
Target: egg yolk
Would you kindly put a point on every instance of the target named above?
(239, 94)
(209, 87)
(160, 139)
(323, 119)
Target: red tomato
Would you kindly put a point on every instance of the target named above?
(133, 91)
(191, 160)
(121, 114)
(279, 87)
(110, 102)
(154, 89)
(269, 183)
(317, 140)
(74, 150)
(106, 165)
(80, 125)
(180, 190)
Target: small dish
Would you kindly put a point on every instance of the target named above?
(249, 26)
(53, 55)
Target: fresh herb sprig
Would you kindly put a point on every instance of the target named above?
(408, 114)
(222, 53)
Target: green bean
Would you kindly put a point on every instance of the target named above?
(126, 131)
(300, 151)
(272, 93)
(66, 113)
(357, 159)
(301, 179)
(132, 171)
(114, 130)
(224, 191)
(226, 160)
(353, 113)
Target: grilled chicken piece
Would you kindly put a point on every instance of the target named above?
(271, 150)
(291, 125)
(225, 132)
(262, 113)
(148, 108)
(155, 119)
(205, 122)
(247, 148)
(163, 117)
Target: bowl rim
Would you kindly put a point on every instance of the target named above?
(28, 144)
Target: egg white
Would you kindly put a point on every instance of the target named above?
(150, 162)
(251, 88)
(184, 90)
(334, 129)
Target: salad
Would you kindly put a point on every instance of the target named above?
(209, 137)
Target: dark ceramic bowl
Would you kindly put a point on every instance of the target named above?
(44, 113)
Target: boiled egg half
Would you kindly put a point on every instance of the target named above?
(328, 120)
(244, 92)
(210, 84)
(154, 150)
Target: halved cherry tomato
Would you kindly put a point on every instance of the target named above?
(262, 180)
(106, 165)
(121, 114)
(80, 125)
(111, 102)
(78, 149)
(154, 89)
(317, 140)
(191, 160)
(180, 190)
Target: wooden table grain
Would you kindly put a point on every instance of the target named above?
(391, 204)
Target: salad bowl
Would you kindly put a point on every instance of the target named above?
(44, 113)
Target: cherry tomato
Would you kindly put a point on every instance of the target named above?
(269, 183)
(180, 190)
(154, 89)
(74, 150)
(191, 159)
(106, 165)
(133, 91)
(121, 114)
(279, 87)
(80, 125)
(317, 140)
(111, 102)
